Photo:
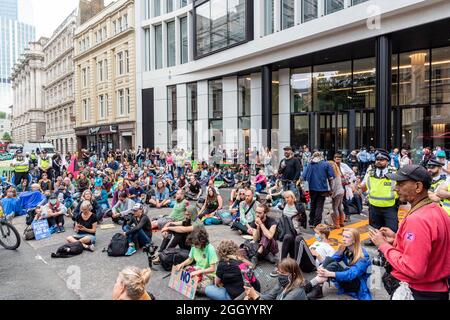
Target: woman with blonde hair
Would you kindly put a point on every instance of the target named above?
(131, 284)
(337, 195)
(351, 279)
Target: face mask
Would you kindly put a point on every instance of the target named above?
(283, 280)
(53, 202)
(318, 237)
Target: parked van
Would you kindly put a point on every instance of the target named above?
(38, 147)
(13, 147)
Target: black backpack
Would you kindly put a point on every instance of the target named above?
(69, 250)
(118, 245)
(172, 256)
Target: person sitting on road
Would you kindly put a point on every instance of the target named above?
(229, 281)
(291, 284)
(228, 179)
(10, 203)
(120, 188)
(131, 284)
(234, 207)
(321, 248)
(101, 196)
(245, 223)
(275, 194)
(212, 205)
(56, 212)
(23, 186)
(264, 235)
(205, 257)
(83, 183)
(260, 181)
(193, 189)
(122, 208)
(351, 279)
(85, 227)
(177, 213)
(87, 196)
(138, 229)
(45, 182)
(162, 195)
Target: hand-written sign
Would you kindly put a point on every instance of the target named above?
(182, 282)
(41, 229)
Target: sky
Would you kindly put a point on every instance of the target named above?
(46, 15)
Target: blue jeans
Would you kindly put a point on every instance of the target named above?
(138, 237)
(260, 187)
(290, 185)
(216, 293)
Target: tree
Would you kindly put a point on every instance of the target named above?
(6, 137)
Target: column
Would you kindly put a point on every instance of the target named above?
(277, 16)
(298, 12)
(256, 116)
(383, 91)
(258, 14)
(230, 113)
(33, 88)
(182, 129)
(161, 117)
(266, 105)
(203, 120)
(284, 108)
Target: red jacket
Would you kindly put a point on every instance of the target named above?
(420, 255)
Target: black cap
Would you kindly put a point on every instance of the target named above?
(287, 148)
(412, 173)
(433, 161)
(382, 154)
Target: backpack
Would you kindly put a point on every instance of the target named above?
(118, 246)
(249, 248)
(305, 259)
(172, 256)
(28, 233)
(69, 250)
(226, 217)
(285, 227)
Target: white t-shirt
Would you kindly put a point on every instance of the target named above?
(324, 249)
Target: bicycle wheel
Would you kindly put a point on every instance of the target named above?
(9, 236)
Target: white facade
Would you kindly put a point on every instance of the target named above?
(353, 21)
(28, 120)
(59, 87)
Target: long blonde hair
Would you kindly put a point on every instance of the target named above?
(135, 281)
(357, 248)
(336, 169)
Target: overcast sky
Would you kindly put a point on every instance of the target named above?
(46, 15)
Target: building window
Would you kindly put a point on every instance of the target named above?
(171, 44)
(127, 62)
(269, 23)
(287, 14)
(147, 58)
(170, 5)
(333, 6)
(158, 47)
(102, 107)
(147, 9)
(219, 24)
(84, 77)
(301, 90)
(120, 64)
(364, 83)
(440, 76)
(184, 40)
(172, 115)
(215, 99)
(309, 10)
(86, 109)
(100, 71)
(192, 116)
(156, 8)
(125, 22)
(414, 77)
(128, 101)
(121, 102)
(244, 112)
(355, 2)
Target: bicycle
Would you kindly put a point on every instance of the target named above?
(9, 236)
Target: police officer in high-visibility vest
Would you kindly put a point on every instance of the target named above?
(434, 168)
(443, 192)
(33, 158)
(45, 164)
(21, 168)
(383, 208)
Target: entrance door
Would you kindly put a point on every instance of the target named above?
(364, 129)
(333, 133)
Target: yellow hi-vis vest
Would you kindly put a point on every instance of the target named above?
(21, 167)
(435, 184)
(45, 163)
(33, 156)
(446, 203)
(381, 191)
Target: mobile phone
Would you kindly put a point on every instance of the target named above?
(372, 229)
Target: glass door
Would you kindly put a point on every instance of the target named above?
(365, 128)
(333, 133)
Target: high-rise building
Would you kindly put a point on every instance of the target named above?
(14, 38)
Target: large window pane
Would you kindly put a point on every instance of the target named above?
(268, 16)
(332, 85)
(219, 21)
(440, 124)
(301, 93)
(170, 5)
(394, 88)
(156, 8)
(158, 47)
(192, 101)
(364, 90)
(440, 75)
(244, 96)
(184, 40)
(413, 77)
(287, 14)
(355, 2)
(309, 10)
(275, 97)
(171, 43)
(333, 6)
(236, 21)
(172, 103)
(300, 131)
(215, 99)
(203, 28)
(412, 131)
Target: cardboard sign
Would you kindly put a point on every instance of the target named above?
(41, 229)
(182, 282)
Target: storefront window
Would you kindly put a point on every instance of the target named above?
(394, 87)
(192, 116)
(412, 131)
(364, 79)
(301, 90)
(332, 85)
(440, 126)
(300, 131)
(440, 75)
(275, 99)
(215, 99)
(309, 10)
(413, 77)
(244, 96)
(287, 13)
(172, 115)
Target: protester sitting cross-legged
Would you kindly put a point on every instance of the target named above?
(321, 248)
(138, 229)
(245, 223)
(205, 257)
(131, 284)
(264, 235)
(55, 213)
(351, 279)
(122, 208)
(229, 281)
(85, 227)
(291, 284)
(234, 207)
(212, 205)
(177, 213)
(162, 195)
(193, 189)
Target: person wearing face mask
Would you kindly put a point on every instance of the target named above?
(21, 168)
(291, 284)
(56, 212)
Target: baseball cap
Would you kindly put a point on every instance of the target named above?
(441, 154)
(412, 173)
(287, 148)
(138, 206)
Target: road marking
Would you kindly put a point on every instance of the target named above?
(38, 257)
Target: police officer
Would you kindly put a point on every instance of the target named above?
(33, 158)
(434, 168)
(21, 168)
(443, 193)
(383, 208)
(45, 164)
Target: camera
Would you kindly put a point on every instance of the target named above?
(381, 261)
(150, 251)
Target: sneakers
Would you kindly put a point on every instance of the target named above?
(156, 260)
(316, 293)
(90, 248)
(131, 250)
(271, 258)
(58, 229)
(62, 229)
(254, 261)
(274, 273)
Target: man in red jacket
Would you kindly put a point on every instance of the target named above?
(420, 251)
